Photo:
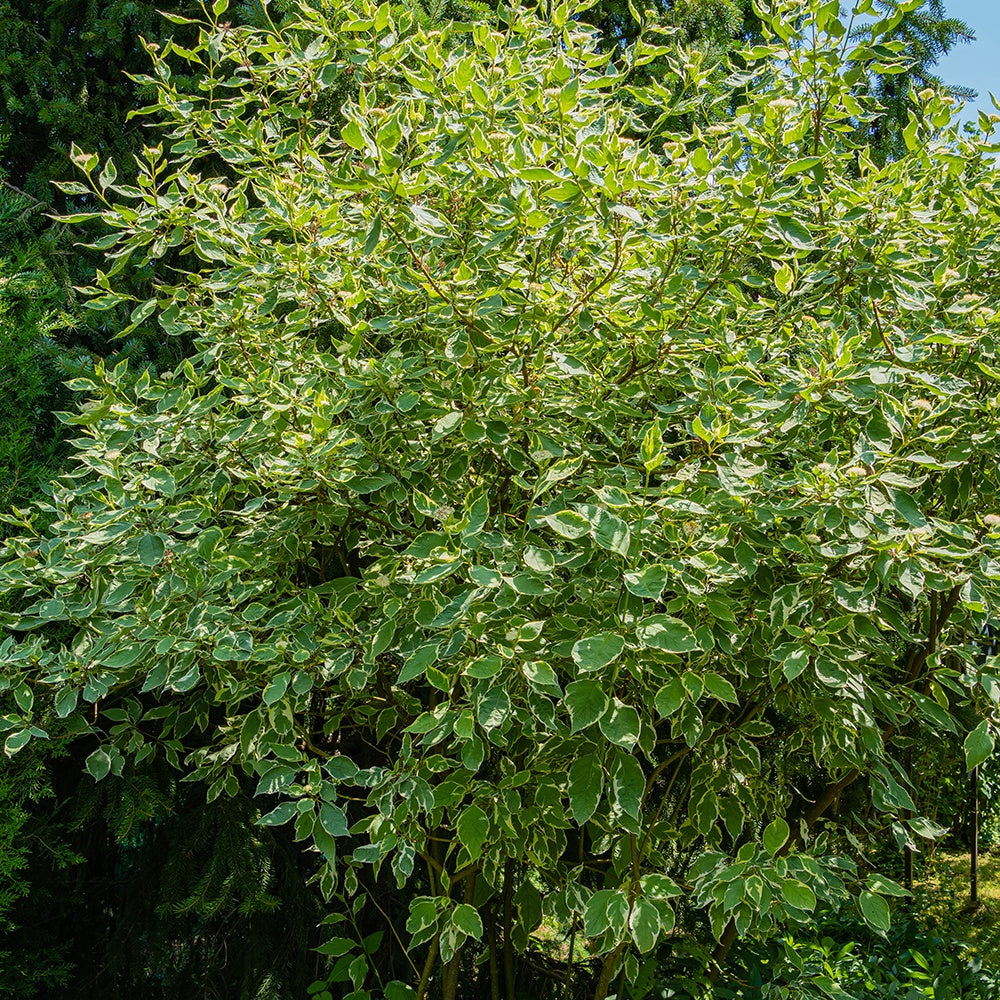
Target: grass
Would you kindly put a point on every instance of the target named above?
(942, 897)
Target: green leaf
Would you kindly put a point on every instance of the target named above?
(280, 814)
(494, 708)
(596, 919)
(160, 481)
(374, 235)
(466, 918)
(337, 946)
(746, 556)
(568, 523)
(66, 700)
(275, 691)
(628, 784)
(611, 533)
(585, 786)
(151, 550)
(558, 471)
(99, 764)
(389, 135)
(473, 829)
(670, 697)
(621, 725)
(644, 923)
(438, 571)
(75, 187)
(798, 894)
(798, 166)
(423, 914)
(528, 584)
(24, 697)
(541, 675)
(540, 560)
(383, 20)
(733, 815)
(382, 638)
(776, 836)
(586, 702)
(485, 667)
(794, 233)
(427, 221)
(701, 162)
(538, 174)
(418, 661)
(933, 711)
(54, 609)
(568, 95)
(351, 134)
(651, 449)
(659, 887)
(664, 632)
(19, 740)
(875, 910)
(108, 175)
(126, 657)
(276, 778)
(719, 688)
(597, 651)
(333, 820)
(647, 583)
(396, 990)
(794, 663)
(455, 609)
(142, 311)
(885, 886)
(907, 509)
(370, 484)
(978, 745)
(483, 576)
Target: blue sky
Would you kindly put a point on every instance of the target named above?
(976, 64)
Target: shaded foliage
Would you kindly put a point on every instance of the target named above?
(140, 885)
(31, 367)
(32, 961)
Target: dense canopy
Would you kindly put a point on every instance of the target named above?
(559, 514)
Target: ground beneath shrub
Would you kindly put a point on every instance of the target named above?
(942, 898)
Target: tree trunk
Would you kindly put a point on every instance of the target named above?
(491, 931)
(907, 855)
(974, 839)
(425, 976)
(452, 969)
(608, 969)
(510, 991)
